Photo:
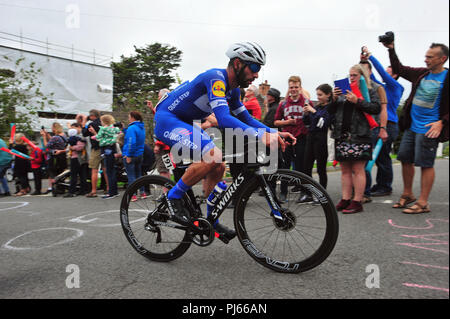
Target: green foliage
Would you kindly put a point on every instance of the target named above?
(445, 151)
(140, 76)
(20, 97)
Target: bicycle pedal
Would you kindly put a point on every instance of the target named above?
(222, 237)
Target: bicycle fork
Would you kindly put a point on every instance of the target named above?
(272, 200)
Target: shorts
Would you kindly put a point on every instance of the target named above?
(159, 162)
(95, 159)
(186, 140)
(418, 149)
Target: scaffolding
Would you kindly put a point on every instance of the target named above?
(51, 49)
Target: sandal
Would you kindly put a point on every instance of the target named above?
(417, 209)
(91, 195)
(21, 193)
(404, 201)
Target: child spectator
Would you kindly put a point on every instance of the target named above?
(21, 166)
(318, 120)
(107, 138)
(37, 161)
(77, 155)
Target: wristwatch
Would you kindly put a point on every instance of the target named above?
(383, 127)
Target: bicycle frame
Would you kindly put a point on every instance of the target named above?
(235, 187)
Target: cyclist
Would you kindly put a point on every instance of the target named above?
(214, 91)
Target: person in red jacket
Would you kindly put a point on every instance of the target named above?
(251, 102)
(37, 162)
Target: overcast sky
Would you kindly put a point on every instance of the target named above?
(316, 40)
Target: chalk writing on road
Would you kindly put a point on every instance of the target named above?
(100, 219)
(10, 207)
(77, 234)
(431, 242)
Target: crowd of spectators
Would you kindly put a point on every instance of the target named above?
(357, 119)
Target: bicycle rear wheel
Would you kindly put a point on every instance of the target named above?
(146, 221)
(298, 242)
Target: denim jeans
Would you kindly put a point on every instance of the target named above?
(3, 180)
(111, 173)
(418, 149)
(133, 169)
(385, 174)
(294, 153)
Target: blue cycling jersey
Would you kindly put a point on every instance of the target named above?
(210, 93)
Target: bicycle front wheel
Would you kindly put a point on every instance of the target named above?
(146, 221)
(299, 241)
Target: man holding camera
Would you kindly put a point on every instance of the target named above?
(389, 124)
(424, 121)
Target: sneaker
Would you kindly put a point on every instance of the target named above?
(225, 234)
(305, 199)
(343, 203)
(109, 196)
(354, 207)
(143, 195)
(134, 198)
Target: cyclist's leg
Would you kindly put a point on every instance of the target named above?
(186, 139)
(211, 167)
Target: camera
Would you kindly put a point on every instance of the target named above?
(386, 38)
(363, 52)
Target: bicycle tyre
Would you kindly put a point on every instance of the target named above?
(251, 239)
(149, 248)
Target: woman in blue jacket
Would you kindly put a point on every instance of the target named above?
(133, 148)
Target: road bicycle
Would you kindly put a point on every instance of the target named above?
(282, 236)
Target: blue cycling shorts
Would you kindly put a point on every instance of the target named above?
(183, 138)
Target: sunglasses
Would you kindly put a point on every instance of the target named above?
(254, 67)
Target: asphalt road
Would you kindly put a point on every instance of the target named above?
(381, 253)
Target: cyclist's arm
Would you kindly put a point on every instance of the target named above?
(226, 120)
(243, 115)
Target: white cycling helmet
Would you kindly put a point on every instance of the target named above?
(248, 52)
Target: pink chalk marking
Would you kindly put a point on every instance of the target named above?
(428, 221)
(425, 287)
(421, 246)
(435, 242)
(424, 265)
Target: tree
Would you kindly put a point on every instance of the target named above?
(140, 76)
(20, 97)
